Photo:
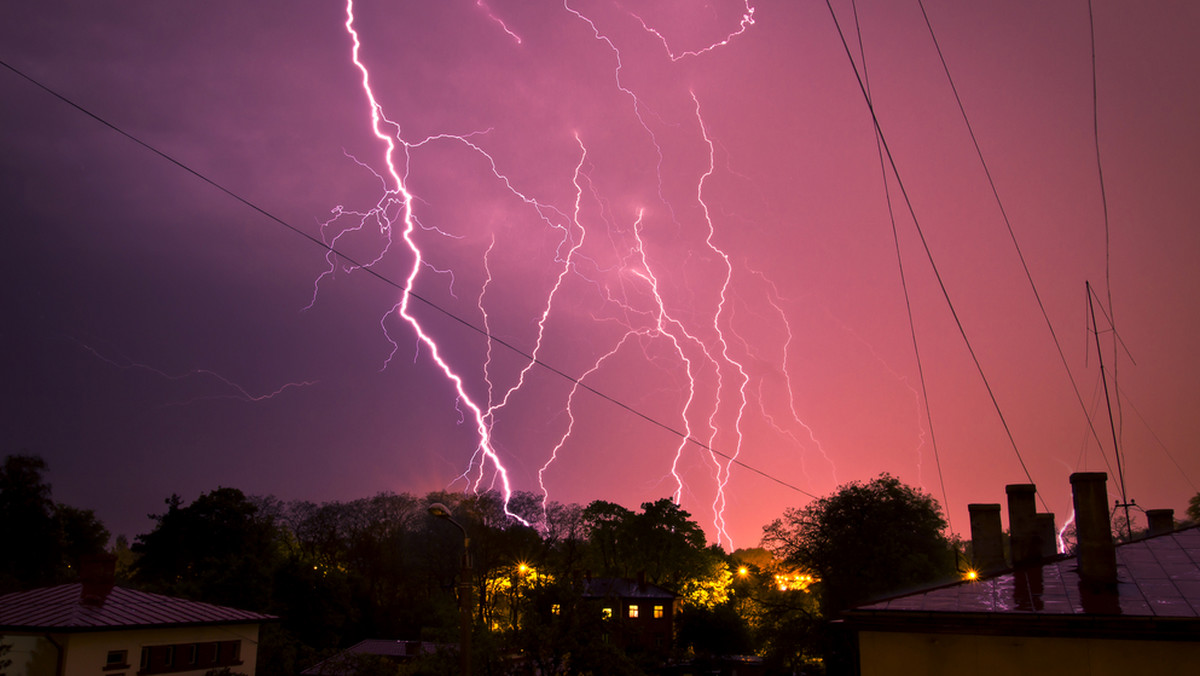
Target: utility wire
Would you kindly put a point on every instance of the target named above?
(1104, 207)
(1008, 225)
(409, 292)
(912, 327)
(925, 244)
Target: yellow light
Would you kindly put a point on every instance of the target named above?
(743, 571)
(523, 568)
(971, 575)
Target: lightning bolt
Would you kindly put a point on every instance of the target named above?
(397, 203)
(238, 391)
(621, 262)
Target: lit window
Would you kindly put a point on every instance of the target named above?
(658, 612)
(633, 610)
(606, 613)
(555, 609)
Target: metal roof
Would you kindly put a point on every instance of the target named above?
(604, 587)
(1158, 579)
(61, 609)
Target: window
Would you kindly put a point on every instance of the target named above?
(633, 610)
(658, 612)
(116, 659)
(606, 613)
(162, 659)
(555, 609)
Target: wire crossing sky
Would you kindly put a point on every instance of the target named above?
(677, 204)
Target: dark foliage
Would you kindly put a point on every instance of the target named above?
(866, 541)
(54, 537)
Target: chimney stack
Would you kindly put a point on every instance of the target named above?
(1097, 553)
(1022, 524)
(1047, 534)
(1161, 520)
(987, 547)
(97, 572)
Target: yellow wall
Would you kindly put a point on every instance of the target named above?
(902, 654)
(85, 653)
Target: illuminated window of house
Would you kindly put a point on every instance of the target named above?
(658, 612)
(633, 610)
(555, 609)
(606, 613)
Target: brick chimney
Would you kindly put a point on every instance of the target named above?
(987, 547)
(97, 572)
(1047, 534)
(1161, 520)
(1022, 524)
(1097, 553)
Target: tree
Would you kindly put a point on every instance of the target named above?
(218, 549)
(53, 537)
(27, 517)
(1193, 509)
(865, 541)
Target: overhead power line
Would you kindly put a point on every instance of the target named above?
(925, 244)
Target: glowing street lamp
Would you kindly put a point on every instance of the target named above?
(440, 511)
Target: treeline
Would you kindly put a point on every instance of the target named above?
(339, 572)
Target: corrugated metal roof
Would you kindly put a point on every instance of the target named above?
(1158, 578)
(61, 608)
(342, 664)
(604, 587)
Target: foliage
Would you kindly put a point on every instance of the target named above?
(1193, 508)
(865, 541)
(54, 537)
(662, 543)
(219, 549)
(785, 623)
(714, 631)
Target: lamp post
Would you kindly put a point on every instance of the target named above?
(440, 511)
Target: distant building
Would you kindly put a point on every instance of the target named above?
(1123, 610)
(642, 614)
(96, 629)
(347, 662)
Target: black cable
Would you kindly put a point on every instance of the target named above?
(912, 327)
(925, 244)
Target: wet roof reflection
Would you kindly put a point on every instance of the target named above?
(1158, 577)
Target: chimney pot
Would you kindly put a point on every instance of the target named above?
(987, 547)
(1161, 520)
(1097, 553)
(97, 572)
(1022, 524)
(1047, 534)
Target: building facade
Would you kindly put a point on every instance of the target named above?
(79, 630)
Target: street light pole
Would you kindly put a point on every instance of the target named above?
(440, 511)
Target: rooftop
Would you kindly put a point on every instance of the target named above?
(1157, 577)
(624, 588)
(61, 608)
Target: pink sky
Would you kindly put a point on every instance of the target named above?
(586, 158)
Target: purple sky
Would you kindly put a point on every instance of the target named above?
(708, 228)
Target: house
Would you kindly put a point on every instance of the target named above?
(642, 613)
(346, 662)
(96, 629)
(1124, 609)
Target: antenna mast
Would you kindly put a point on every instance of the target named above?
(1125, 503)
